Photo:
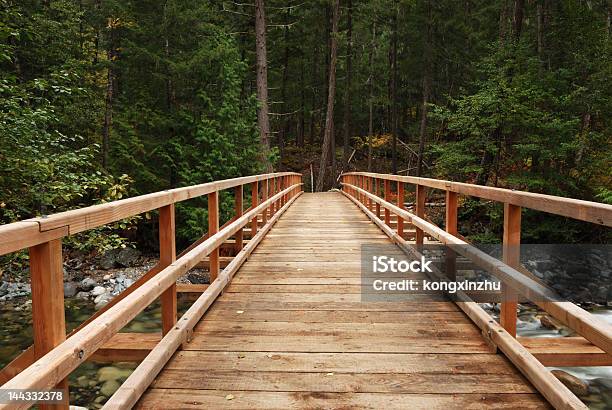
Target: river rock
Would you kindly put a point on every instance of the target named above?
(109, 387)
(128, 257)
(128, 282)
(548, 323)
(87, 284)
(82, 295)
(70, 289)
(576, 385)
(98, 290)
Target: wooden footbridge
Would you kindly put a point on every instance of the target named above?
(283, 324)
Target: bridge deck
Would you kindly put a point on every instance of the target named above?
(290, 331)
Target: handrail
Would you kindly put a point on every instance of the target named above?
(57, 356)
(364, 189)
(34, 231)
(495, 335)
(588, 211)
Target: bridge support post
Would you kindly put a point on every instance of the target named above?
(238, 210)
(213, 228)
(377, 193)
(511, 256)
(420, 212)
(387, 197)
(266, 194)
(48, 315)
(400, 204)
(255, 202)
(451, 227)
(167, 255)
(369, 188)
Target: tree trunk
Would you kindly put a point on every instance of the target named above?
(426, 90)
(540, 18)
(394, 119)
(110, 93)
(517, 18)
(262, 82)
(349, 80)
(285, 117)
(329, 119)
(371, 95)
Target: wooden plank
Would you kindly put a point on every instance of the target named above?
(126, 347)
(272, 303)
(432, 319)
(238, 210)
(420, 211)
(213, 228)
(367, 363)
(566, 351)
(48, 317)
(397, 383)
(216, 399)
(191, 287)
(511, 256)
(167, 255)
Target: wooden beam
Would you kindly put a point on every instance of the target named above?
(213, 228)
(48, 316)
(387, 196)
(400, 203)
(451, 228)
(238, 209)
(594, 212)
(566, 351)
(126, 347)
(420, 212)
(254, 203)
(511, 257)
(167, 255)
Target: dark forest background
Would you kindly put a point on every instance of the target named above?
(103, 99)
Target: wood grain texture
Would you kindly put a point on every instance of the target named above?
(292, 331)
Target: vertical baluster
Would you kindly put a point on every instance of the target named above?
(451, 227)
(387, 197)
(266, 193)
(511, 256)
(167, 255)
(255, 202)
(213, 228)
(377, 193)
(400, 204)
(420, 212)
(238, 210)
(48, 317)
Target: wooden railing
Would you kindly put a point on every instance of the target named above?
(54, 356)
(365, 190)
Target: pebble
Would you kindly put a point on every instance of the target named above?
(109, 387)
(98, 290)
(107, 277)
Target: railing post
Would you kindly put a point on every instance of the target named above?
(167, 255)
(255, 202)
(451, 227)
(48, 317)
(266, 193)
(213, 228)
(400, 204)
(377, 193)
(370, 191)
(511, 257)
(387, 198)
(420, 212)
(238, 210)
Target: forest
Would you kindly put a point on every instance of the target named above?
(104, 99)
